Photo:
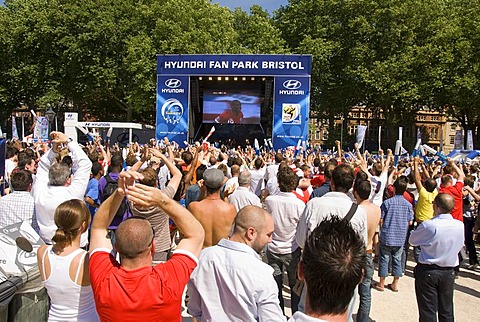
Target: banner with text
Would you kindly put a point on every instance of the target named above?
(172, 108)
(251, 65)
(290, 110)
(40, 133)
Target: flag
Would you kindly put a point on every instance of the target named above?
(297, 148)
(416, 148)
(109, 134)
(361, 130)
(256, 146)
(379, 137)
(41, 129)
(14, 128)
(469, 140)
(209, 134)
(458, 140)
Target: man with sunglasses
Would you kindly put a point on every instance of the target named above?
(133, 290)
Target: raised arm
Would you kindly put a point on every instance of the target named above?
(145, 197)
(459, 170)
(104, 215)
(176, 173)
(416, 174)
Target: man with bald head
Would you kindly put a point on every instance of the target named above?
(231, 283)
(440, 239)
(242, 196)
(133, 290)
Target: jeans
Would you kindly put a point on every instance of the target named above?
(387, 252)
(434, 292)
(469, 223)
(288, 263)
(365, 292)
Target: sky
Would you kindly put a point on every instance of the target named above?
(269, 5)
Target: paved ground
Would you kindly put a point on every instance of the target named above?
(402, 306)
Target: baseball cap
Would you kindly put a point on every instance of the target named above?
(213, 178)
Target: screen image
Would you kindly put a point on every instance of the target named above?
(231, 106)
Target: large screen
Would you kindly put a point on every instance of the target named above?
(231, 106)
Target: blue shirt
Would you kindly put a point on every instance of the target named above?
(396, 213)
(92, 192)
(440, 238)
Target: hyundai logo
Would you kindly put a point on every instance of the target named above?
(173, 83)
(292, 84)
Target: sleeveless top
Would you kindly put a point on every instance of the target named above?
(68, 300)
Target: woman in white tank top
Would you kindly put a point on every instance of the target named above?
(64, 266)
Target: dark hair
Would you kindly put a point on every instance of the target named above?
(116, 163)
(342, 177)
(187, 157)
(93, 156)
(200, 170)
(67, 160)
(333, 261)
(23, 160)
(287, 179)
(96, 168)
(362, 188)
(258, 163)
(69, 217)
(430, 184)
(400, 185)
(10, 152)
(278, 157)
(327, 172)
(131, 159)
(20, 180)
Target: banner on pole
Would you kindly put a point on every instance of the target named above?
(290, 111)
(41, 129)
(469, 140)
(379, 137)
(172, 108)
(14, 128)
(361, 130)
(400, 133)
(458, 140)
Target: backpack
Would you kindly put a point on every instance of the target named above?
(109, 189)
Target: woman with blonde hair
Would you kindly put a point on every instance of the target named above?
(64, 266)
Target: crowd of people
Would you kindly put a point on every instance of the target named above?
(128, 230)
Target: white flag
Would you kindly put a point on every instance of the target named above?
(469, 140)
(361, 130)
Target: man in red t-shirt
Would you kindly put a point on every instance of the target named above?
(133, 290)
(455, 190)
(233, 115)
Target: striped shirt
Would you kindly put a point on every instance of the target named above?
(16, 207)
(396, 213)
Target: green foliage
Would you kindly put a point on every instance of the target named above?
(100, 55)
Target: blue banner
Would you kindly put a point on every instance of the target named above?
(290, 111)
(251, 65)
(172, 108)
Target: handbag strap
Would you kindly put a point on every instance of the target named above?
(351, 212)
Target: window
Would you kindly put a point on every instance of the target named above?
(325, 135)
(317, 135)
(452, 139)
(434, 133)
